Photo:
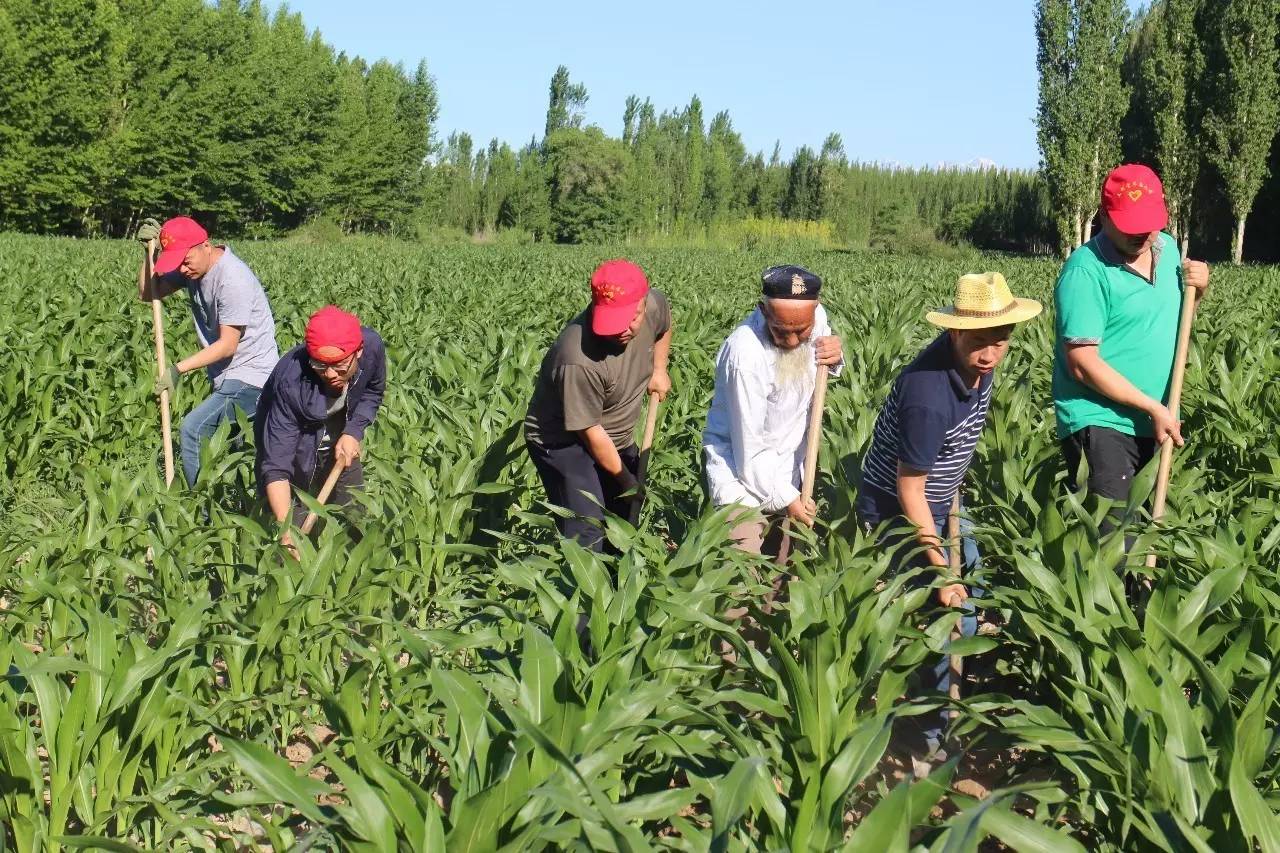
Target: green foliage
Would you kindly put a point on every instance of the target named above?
(453, 677)
(114, 111)
(586, 174)
(1082, 99)
(1243, 113)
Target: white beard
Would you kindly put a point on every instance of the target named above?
(792, 367)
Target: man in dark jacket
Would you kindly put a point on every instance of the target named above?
(315, 408)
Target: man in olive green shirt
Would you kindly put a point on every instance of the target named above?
(590, 390)
(1118, 303)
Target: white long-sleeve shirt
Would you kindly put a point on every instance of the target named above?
(755, 434)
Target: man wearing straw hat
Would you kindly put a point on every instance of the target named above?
(924, 441)
(581, 421)
(314, 411)
(753, 444)
(1118, 301)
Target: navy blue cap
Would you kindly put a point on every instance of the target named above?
(790, 282)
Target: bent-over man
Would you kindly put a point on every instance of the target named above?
(924, 441)
(233, 320)
(591, 387)
(315, 408)
(754, 441)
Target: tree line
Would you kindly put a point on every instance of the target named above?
(111, 110)
(675, 172)
(115, 109)
(1190, 87)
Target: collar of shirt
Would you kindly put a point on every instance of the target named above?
(759, 326)
(946, 355)
(1111, 256)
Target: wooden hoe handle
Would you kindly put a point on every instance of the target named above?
(956, 662)
(812, 442)
(325, 490)
(642, 468)
(157, 325)
(1175, 401)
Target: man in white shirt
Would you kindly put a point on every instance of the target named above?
(753, 445)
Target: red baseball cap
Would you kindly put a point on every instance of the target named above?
(333, 334)
(617, 287)
(177, 237)
(1133, 198)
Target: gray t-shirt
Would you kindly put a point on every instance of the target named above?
(229, 294)
(585, 380)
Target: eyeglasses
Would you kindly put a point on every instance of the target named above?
(339, 367)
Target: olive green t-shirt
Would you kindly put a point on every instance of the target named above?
(1134, 323)
(586, 380)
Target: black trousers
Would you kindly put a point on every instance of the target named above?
(348, 481)
(575, 482)
(1114, 458)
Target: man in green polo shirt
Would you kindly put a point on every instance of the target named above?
(1118, 302)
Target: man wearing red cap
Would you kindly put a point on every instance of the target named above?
(1118, 303)
(590, 390)
(233, 321)
(314, 411)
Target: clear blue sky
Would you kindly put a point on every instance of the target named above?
(911, 81)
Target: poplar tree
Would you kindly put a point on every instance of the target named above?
(565, 103)
(690, 176)
(1171, 81)
(1244, 107)
(1081, 103)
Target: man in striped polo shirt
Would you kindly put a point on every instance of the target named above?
(925, 437)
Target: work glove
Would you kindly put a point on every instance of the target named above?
(168, 380)
(628, 483)
(148, 230)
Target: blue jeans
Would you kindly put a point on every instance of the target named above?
(204, 419)
(938, 675)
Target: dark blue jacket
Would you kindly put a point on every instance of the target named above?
(291, 412)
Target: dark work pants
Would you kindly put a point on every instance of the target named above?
(1114, 458)
(575, 482)
(348, 481)
(907, 555)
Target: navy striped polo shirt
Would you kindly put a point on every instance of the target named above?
(931, 422)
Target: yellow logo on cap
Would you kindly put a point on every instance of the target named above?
(797, 284)
(1134, 190)
(608, 292)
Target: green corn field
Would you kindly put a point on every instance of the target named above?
(441, 673)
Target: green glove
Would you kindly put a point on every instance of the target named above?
(167, 381)
(148, 230)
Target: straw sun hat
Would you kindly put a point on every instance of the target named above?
(983, 301)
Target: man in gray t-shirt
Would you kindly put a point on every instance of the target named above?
(233, 324)
(588, 397)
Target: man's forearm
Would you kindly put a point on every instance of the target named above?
(1104, 379)
(222, 348)
(602, 449)
(662, 351)
(148, 289)
(280, 499)
(915, 506)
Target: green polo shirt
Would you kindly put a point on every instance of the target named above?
(1101, 300)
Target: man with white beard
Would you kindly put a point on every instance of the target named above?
(753, 445)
